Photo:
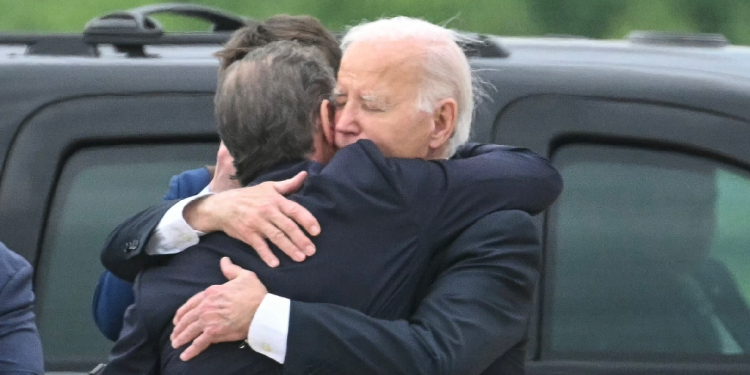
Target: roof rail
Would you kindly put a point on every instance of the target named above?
(478, 45)
(52, 44)
(678, 39)
(130, 30)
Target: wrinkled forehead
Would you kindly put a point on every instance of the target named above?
(382, 67)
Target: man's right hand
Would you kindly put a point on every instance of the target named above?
(254, 214)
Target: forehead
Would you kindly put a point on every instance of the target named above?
(381, 66)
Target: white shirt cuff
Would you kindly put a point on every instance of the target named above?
(270, 327)
(173, 234)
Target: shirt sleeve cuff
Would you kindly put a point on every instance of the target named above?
(270, 327)
(173, 234)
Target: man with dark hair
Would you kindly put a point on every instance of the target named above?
(113, 295)
(265, 109)
(305, 30)
(386, 217)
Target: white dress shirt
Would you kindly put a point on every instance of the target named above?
(270, 327)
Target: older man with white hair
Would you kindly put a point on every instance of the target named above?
(405, 85)
(401, 81)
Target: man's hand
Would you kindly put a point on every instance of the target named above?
(254, 214)
(221, 313)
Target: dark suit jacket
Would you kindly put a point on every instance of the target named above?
(471, 318)
(20, 347)
(385, 218)
(113, 295)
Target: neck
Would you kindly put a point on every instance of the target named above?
(437, 153)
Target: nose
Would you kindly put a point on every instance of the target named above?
(346, 120)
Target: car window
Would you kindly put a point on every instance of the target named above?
(649, 255)
(97, 189)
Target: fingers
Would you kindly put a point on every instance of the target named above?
(301, 215)
(291, 234)
(230, 270)
(291, 185)
(200, 344)
(280, 239)
(190, 305)
(188, 329)
(261, 247)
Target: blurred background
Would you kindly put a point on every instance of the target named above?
(589, 18)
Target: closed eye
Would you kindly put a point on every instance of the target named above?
(339, 101)
(373, 108)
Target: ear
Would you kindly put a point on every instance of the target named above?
(444, 120)
(323, 138)
(326, 120)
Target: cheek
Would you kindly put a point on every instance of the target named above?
(380, 130)
(337, 116)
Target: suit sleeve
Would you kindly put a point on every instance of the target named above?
(481, 179)
(124, 251)
(113, 294)
(20, 345)
(474, 312)
(448, 195)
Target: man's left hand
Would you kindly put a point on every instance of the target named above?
(221, 313)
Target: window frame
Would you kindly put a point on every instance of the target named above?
(545, 122)
(549, 265)
(54, 132)
(46, 291)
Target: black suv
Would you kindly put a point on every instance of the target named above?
(646, 257)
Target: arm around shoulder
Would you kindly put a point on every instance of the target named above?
(124, 250)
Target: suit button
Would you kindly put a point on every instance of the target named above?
(131, 246)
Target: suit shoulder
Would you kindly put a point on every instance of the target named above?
(511, 221)
(10, 265)
(499, 234)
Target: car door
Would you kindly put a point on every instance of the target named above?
(76, 169)
(646, 251)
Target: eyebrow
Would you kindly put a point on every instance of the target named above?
(373, 98)
(370, 98)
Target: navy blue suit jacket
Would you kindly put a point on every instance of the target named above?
(385, 219)
(113, 295)
(20, 346)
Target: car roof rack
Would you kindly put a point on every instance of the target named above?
(129, 31)
(132, 30)
(478, 45)
(677, 39)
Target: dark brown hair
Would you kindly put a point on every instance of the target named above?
(268, 105)
(305, 30)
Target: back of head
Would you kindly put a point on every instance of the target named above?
(447, 73)
(268, 105)
(305, 30)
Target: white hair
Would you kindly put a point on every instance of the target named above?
(447, 71)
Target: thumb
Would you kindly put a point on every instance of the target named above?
(291, 185)
(230, 270)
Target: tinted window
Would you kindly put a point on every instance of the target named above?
(649, 255)
(98, 188)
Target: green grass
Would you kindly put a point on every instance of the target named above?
(593, 18)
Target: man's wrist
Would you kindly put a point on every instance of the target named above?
(199, 214)
(269, 328)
